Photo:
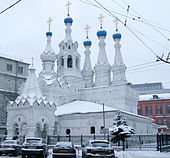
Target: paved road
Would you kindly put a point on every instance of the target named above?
(50, 156)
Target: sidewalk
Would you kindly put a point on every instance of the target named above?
(142, 154)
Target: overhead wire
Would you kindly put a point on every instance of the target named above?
(139, 19)
(147, 22)
(112, 15)
(10, 6)
(79, 0)
(139, 69)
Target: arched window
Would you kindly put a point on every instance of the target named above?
(92, 130)
(69, 47)
(69, 62)
(68, 131)
(62, 61)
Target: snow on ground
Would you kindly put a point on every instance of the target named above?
(125, 154)
(142, 154)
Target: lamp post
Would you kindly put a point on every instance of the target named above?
(103, 117)
(103, 121)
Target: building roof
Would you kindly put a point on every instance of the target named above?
(154, 97)
(31, 87)
(80, 107)
(83, 107)
(5, 56)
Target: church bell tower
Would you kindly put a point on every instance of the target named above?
(68, 59)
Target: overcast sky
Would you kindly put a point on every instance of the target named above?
(23, 28)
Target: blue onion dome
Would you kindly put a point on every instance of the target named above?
(117, 35)
(68, 20)
(49, 33)
(102, 33)
(87, 43)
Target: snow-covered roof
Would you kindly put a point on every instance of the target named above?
(31, 88)
(9, 57)
(81, 107)
(154, 96)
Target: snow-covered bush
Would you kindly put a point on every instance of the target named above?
(120, 129)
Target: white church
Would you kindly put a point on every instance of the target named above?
(72, 100)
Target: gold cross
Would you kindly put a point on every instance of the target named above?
(87, 28)
(49, 23)
(101, 17)
(68, 6)
(116, 21)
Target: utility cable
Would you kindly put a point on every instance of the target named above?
(10, 6)
(112, 15)
(147, 22)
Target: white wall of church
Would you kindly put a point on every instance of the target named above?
(120, 97)
(24, 119)
(82, 123)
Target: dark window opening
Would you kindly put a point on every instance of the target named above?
(62, 61)
(139, 110)
(159, 109)
(92, 130)
(9, 67)
(168, 109)
(148, 110)
(68, 131)
(77, 63)
(168, 123)
(69, 62)
(20, 70)
(69, 47)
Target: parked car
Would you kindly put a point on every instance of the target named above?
(34, 147)
(64, 149)
(10, 147)
(98, 148)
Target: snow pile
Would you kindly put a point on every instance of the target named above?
(80, 107)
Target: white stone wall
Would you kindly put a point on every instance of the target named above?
(81, 123)
(29, 116)
(120, 97)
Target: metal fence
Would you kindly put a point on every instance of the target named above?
(135, 142)
(159, 142)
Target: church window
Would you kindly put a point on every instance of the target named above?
(19, 119)
(92, 130)
(68, 131)
(69, 62)
(69, 47)
(62, 61)
(42, 120)
(77, 63)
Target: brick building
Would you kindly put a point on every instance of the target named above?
(156, 106)
(154, 102)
